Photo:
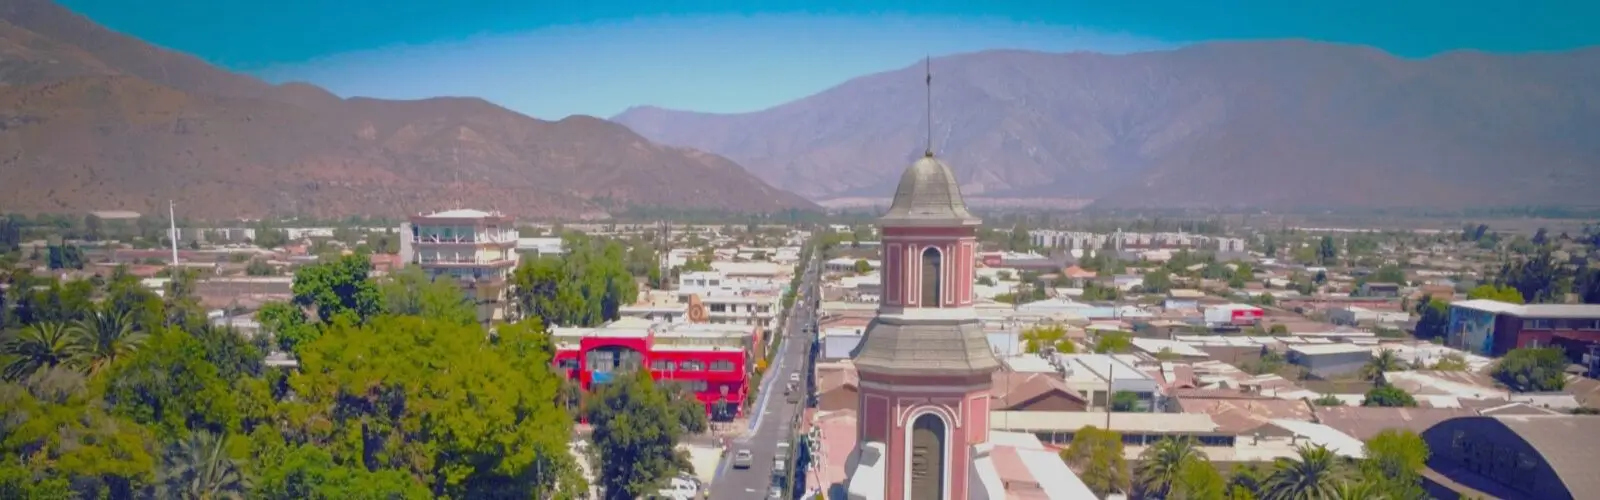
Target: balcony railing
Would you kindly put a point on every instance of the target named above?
(497, 237)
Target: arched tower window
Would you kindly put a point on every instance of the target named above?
(927, 457)
(932, 274)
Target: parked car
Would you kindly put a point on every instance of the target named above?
(680, 489)
(742, 459)
(775, 493)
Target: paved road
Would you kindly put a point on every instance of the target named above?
(772, 415)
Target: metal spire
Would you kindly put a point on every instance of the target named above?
(928, 70)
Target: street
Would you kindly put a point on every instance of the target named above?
(772, 416)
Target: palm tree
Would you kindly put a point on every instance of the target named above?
(1359, 490)
(1315, 476)
(40, 346)
(104, 337)
(198, 468)
(1386, 361)
(1162, 463)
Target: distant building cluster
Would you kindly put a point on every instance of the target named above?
(1084, 240)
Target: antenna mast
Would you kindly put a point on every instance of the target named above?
(928, 70)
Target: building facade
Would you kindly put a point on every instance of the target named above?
(713, 361)
(475, 249)
(1492, 328)
(924, 363)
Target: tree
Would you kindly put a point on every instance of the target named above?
(287, 324)
(1162, 463)
(1126, 401)
(1328, 400)
(104, 337)
(1327, 252)
(310, 473)
(170, 386)
(1040, 337)
(1315, 473)
(410, 292)
(1385, 395)
(1433, 318)
(1113, 342)
(1500, 293)
(1198, 480)
(38, 347)
(1394, 462)
(1386, 361)
(199, 468)
(1098, 457)
(1533, 369)
(71, 438)
(584, 287)
(469, 415)
(340, 288)
(636, 434)
(862, 266)
(1157, 282)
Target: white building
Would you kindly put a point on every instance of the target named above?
(477, 249)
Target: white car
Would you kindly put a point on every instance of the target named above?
(680, 489)
(794, 377)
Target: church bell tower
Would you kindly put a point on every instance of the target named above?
(925, 364)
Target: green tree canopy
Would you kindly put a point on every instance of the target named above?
(1097, 455)
(1386, 395)
(471, 417)
(1533, 369)
(338, 288)
(637, 428)
(1501, 293)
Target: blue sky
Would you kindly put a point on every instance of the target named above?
(551, 59)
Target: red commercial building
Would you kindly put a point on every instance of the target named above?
(1493, 328)
(715, 361)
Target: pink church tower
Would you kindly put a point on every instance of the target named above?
(925, 363)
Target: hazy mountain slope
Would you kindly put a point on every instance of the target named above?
(85, 124)
(1264, 123)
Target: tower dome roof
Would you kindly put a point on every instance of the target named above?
(928, 195)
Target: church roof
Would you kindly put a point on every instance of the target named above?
(903, 346)
(928, 195)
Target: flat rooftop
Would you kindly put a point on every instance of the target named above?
(1069, 421)
(1554, 311)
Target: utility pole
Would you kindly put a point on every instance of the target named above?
(172, 220)
(1111, 389)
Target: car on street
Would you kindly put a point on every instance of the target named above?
(782, 453)
(794, 377)
(774, 493)
(742, 459)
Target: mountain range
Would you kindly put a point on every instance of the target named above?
(91, 119)
(1259, 124)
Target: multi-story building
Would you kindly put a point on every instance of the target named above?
(1492, 327)
(477, 249)
(714, 361)
(733, 300)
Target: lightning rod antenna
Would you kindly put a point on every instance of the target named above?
(928, 70)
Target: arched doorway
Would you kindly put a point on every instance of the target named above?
(928, 434)
(932, 277)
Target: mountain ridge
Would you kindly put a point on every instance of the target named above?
(1278, 123)
(91, 119)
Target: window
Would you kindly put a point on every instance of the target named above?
(692, 366)
(1587, 324)
(1536, 324)
(660, 365)
(932, 271)
(722, 366)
